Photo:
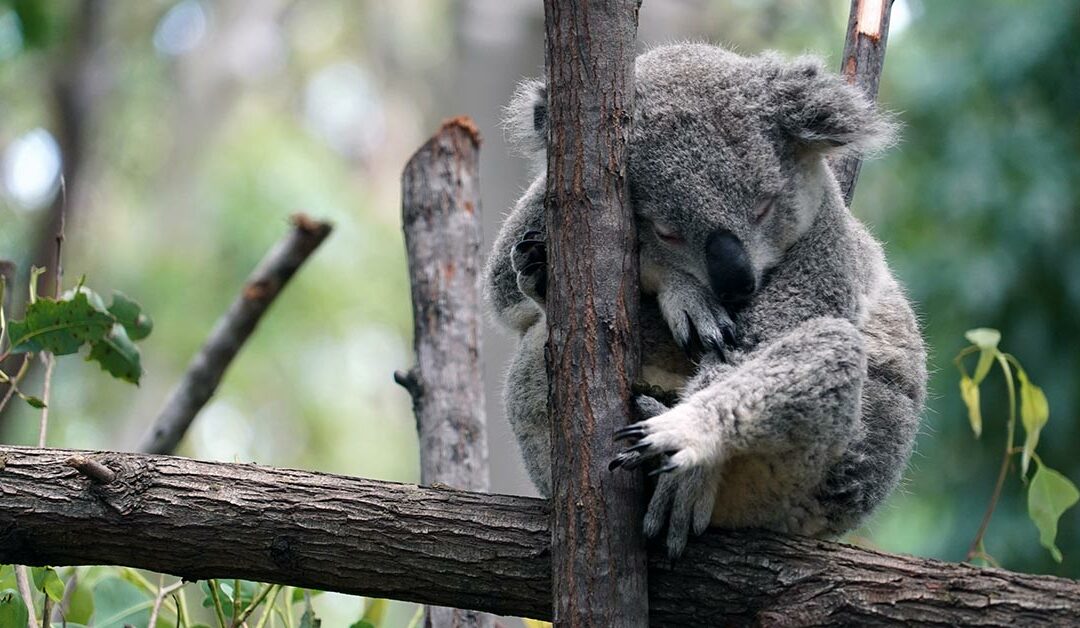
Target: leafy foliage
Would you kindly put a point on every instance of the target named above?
(79, 319)
(1050, 493)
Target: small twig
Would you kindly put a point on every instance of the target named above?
(46, 608)
(242, 617)
(206, 369)
(13, 385)
(43, 424)
(22, 580)
(977, 543)
(269, 606)
(217, 602)
(160, 599)
(92, 469)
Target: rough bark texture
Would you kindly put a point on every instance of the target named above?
(442, 546)
(864, 57)
(440, 196)
(206, 369)
(598, 556)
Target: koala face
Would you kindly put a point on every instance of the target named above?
(726, 166)
(726, 158)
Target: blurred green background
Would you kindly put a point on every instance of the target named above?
(189, 131)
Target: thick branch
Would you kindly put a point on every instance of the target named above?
(864, 57)
(440, 546)
(592, 311)
(206, 369)
(440, 198)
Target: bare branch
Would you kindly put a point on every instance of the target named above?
(592, 313)
(201, 520)
(206, 369)
(440, 198)
(864, 57)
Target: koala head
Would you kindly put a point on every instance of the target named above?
(727, 166)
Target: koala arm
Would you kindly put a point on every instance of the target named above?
(511, 307)
(798, 395)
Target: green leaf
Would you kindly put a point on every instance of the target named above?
(1049, 496)
(32, 400)
(983, 337)
(969, 391)
(129, 314)
(81, 608)
(118, 602)
(1034, 413)
(224, 590)
(47, 580)
(117, 355)
(986, 360)
(374, 612)
(60, 327)
(12, 609)
(298, 594)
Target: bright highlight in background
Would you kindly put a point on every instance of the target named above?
(31, 170)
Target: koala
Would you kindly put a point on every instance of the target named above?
(785, 369)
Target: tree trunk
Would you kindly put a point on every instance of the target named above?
(598, 553)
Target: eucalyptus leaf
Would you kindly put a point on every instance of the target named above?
(1049, 496)
(1034, 414)
(60, 327)
(983, 337)
(374, 612)
(12, 609)
(969, 391)
(129, 314)
(117, 355)
(986, 360)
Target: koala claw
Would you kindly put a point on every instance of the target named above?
(529, 260)
(699, 325)
(684, 504)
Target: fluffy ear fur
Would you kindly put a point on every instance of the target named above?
(825, 114)
(525, 119)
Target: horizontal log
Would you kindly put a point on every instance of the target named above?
(201, 520)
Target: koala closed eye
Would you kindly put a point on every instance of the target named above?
(667, 233)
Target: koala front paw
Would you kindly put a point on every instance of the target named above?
(697, 319)
(684, 446)
(529, 260)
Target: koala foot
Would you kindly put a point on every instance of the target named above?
(680, 442)
(529, 259)
(698, 321)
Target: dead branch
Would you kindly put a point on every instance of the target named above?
(440, 197)
(206, 369)
(864, 57)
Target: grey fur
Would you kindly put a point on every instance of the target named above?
(804, 421)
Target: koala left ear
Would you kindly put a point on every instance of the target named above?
(817, 109)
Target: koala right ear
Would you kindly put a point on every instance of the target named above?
(525, 121)
(823, 113)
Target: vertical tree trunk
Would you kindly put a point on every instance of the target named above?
(598, 553)
(440, 197)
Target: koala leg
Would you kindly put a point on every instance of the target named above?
(529, 260)
(800, 393)
(525, 399)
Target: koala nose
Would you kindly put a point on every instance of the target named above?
(730, 272)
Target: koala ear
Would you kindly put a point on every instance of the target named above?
(818, 110)
(525, 120)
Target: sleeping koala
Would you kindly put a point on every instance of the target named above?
(793, 362)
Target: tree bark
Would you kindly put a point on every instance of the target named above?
(440, 199)
(864, 58)
(492, 553)
(206, 369)
(598, 553)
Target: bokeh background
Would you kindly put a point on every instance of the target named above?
(188, 131)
